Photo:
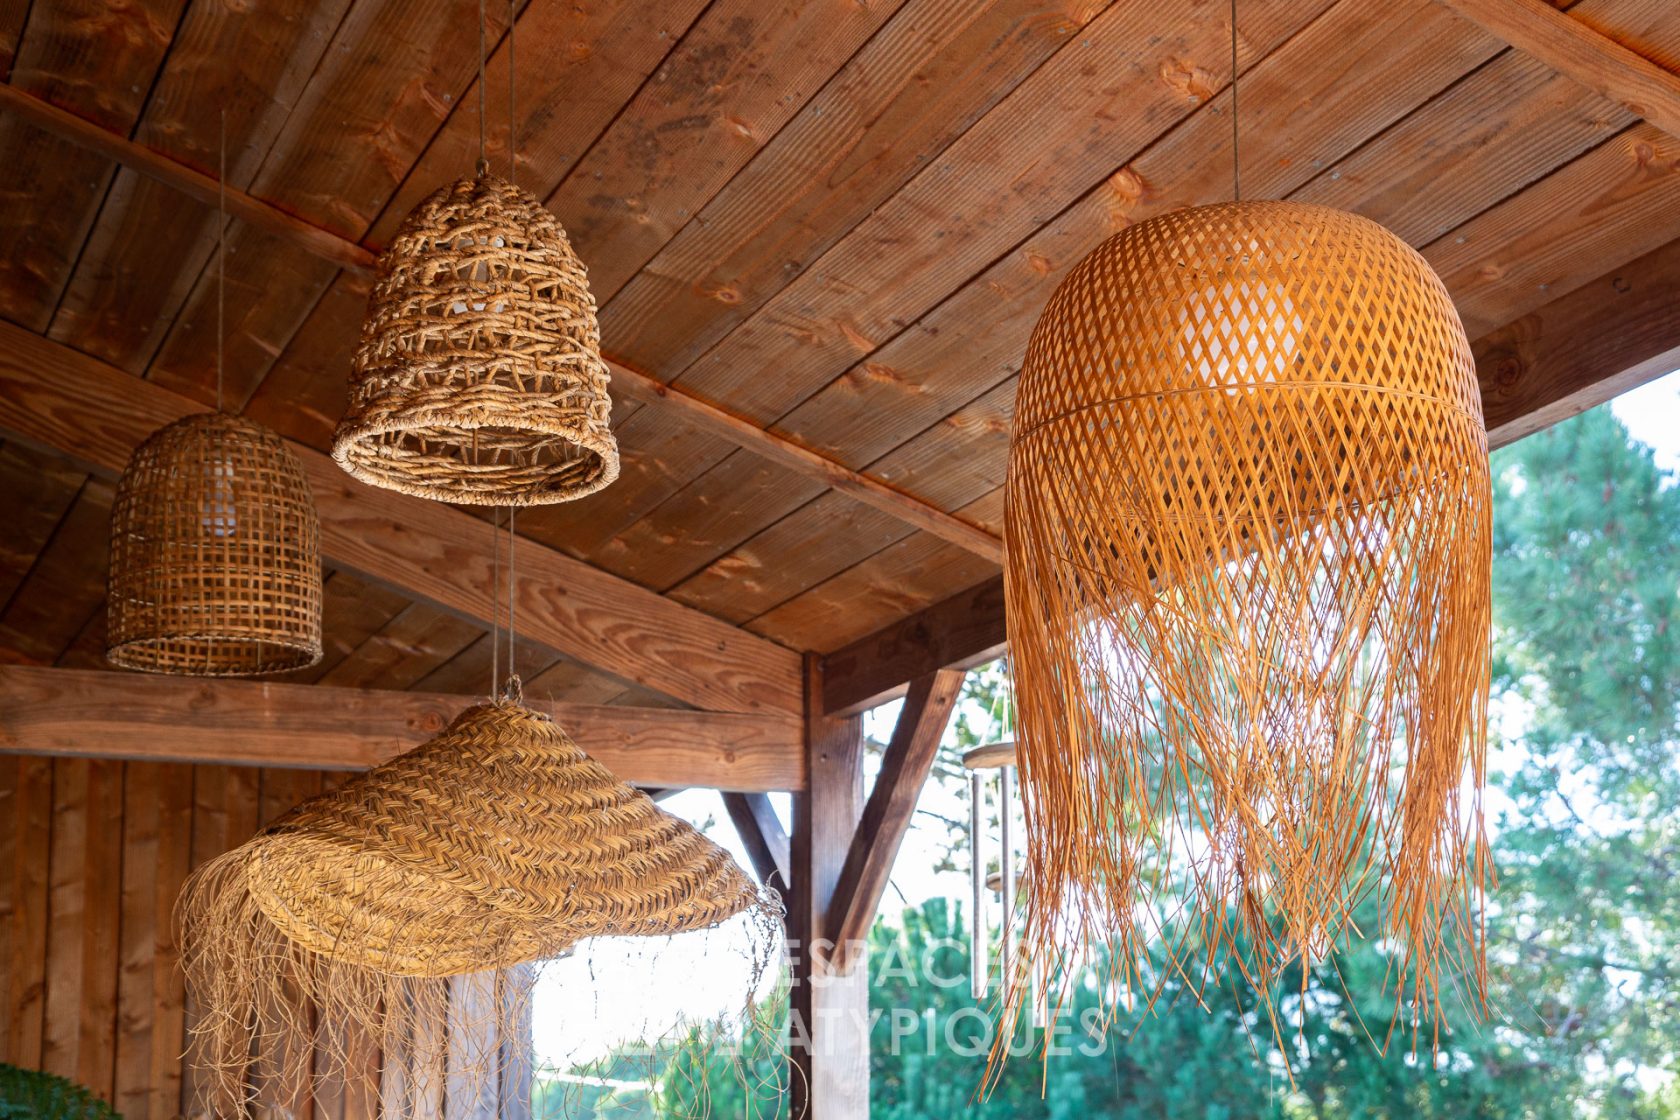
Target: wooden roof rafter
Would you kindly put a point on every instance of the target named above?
(348, 254)
(1569, 46)
(1583, 348)
(58, 398)
(77, 713)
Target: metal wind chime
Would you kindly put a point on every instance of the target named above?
(981, 763)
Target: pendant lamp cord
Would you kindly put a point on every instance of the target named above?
(495, 603)
(483, 162)
(514, 690)
(221, 256)
(1236, 159)
(512, 165)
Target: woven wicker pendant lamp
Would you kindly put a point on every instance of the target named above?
(215, 546)
(498, 844)
(1247, 594)
(479, 376)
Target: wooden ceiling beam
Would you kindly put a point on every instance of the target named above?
(1581, 349)
(886, 815)
(54, 397)
(1574, 49)
(97, 714)
(347, 254)
(764, 838)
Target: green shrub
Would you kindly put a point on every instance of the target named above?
(27, 1094)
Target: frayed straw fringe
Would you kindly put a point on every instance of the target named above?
(1249, 544)
(402, 917)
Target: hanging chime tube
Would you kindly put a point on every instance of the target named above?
(1006, 866)
(977, 949)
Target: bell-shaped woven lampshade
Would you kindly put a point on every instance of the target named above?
(497, 844)
(215, 554)
(1247, 586)
(479, 376)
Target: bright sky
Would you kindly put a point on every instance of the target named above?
(618, 990)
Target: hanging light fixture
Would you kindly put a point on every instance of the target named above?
(1247, 594)
(215, 546)
(479, 376)
(495, 847)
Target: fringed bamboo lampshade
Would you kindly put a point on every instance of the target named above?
(215, 554)
(1248, 525)
(479, 376)
(496, 845)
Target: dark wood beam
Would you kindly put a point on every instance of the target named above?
(886, 816)
(956, 633)
(97, 714)
(650, 390)
(1583, 348)
(763, 836)
(1575, 50)
(829, 1014)
(58, 398)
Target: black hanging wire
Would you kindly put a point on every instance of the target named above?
(495, 603)
(512, 166)
(1236, 159)
(514, 690)
(221, 255)
(483, 160)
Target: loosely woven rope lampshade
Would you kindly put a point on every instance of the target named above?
(215, 554)
(1247, 584)
(479, 376)
(497, 844)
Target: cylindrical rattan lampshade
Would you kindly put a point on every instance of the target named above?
(479, 376)
(1247, 582)
(215, 554)
(496, 845)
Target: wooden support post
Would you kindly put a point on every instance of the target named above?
(904, 770)
(829, 1027)
(763, 836)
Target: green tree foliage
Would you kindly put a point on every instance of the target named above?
(27, 1094)
(1583, 927)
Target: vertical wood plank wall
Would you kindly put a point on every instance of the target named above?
(92, 856)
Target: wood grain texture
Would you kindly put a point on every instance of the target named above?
(1571, 47)
(150, 243)
(762, 835)
(1616, 203)
(927, 374)
(97, 414)
(960, 632)
(293, 233)
(828, 1051)
(26, 802)
(94, 59)
(92, 714)
(931, 70)
(886, 815)
(1608, 336)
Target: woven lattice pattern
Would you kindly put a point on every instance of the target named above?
(479, 376)
(495, 845)
(1248, 526)
(215, 554)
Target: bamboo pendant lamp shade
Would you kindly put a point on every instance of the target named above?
(498, 844)
(1247, 584)
(215, 554)
(479, 376)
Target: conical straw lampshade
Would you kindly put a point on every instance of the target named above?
(479, 376)
(215, 554)
(1247, 584)
(497, 844)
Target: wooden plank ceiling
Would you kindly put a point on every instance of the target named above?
(836, 221)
